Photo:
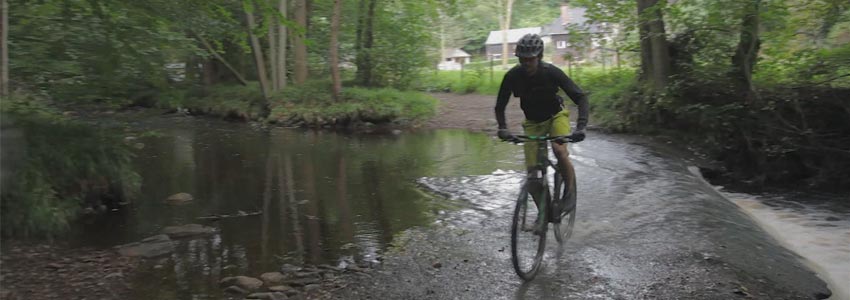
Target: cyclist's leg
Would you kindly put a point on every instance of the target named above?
(561, 126)
(534, 129)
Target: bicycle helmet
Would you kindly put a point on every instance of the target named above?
(530, 45)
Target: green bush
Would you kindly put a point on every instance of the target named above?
(313, 104)
(471, 80)
(232, 100)
(437, 81)
(608, 94)
(55, 163)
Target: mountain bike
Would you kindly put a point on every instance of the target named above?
(561, 212)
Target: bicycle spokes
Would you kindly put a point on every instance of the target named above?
(526, 245)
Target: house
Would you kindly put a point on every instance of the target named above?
(564, 44)
(453, 59)
(493, 45)
(557, 37)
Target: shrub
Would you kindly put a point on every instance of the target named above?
(312, 104)
(233, 101)
(54, 163)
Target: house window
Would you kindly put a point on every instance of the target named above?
(561, 45)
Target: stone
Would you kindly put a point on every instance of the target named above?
(329, 267)
(235, 290)
(287, 269)
(280, 288)
(150, 247)
(303, 281)
(157, 238)
(244, 282)
(179, 198)
(264, 295)
(311, 287)
(187, 230)
(308, 274)
(272, 278)
(354, 268)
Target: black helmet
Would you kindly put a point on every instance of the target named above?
(530, 45)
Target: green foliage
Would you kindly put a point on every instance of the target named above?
(89, 50)
(230, 101)
(472, 81)
(55, 164)
(313, 105)
(398, 54)
(609, 94)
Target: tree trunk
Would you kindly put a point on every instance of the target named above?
(364, 55)
(747, 52)
(220, 59)
(506, 25)
(298, 42)
(645, 45)
(258, 52)
(207, 72)
(660, 50)
(361, 21)
(281, 47)
(273, 53)
(442, 40)
(4, 49)
(334, 53)
(655, 53)
(191, 72)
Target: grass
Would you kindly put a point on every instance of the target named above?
(313, 105)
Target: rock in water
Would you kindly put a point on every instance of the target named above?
(179, 198)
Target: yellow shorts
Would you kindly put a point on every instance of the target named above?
(555, 126)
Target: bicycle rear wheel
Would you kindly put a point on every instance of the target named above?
(527, 247)
(567, 215)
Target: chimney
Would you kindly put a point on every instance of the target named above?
(565, 13)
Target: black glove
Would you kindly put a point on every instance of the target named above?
(505, 134)
(578, 135)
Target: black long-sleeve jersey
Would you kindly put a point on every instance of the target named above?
(538, 94)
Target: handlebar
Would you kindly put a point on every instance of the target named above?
(560, 139)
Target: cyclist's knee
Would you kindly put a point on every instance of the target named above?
(561, 152)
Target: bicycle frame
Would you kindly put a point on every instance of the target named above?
(544, 203)
(540, 169)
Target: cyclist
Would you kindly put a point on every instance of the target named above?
(536, 83)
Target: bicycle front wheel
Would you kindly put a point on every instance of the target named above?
(566, 195)
(527, 242)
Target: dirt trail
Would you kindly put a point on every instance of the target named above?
(473, 112)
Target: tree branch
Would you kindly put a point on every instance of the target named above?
(822, 82)
(221, 59)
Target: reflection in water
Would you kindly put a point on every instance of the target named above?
(325, 197)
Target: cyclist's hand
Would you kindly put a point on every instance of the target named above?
(505, 134)
(578, 136)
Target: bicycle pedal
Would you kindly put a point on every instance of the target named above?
(538, 230)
